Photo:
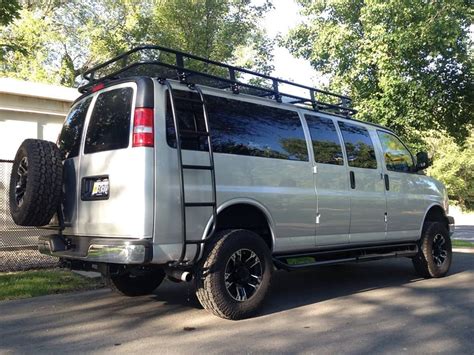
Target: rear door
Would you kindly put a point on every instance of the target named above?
(366, 185)
(69, 143)
(115, 181)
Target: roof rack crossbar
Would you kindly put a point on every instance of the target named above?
(231, 76)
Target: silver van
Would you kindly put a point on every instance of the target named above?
(171, 165)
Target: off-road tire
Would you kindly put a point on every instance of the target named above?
(210, 275)
(128, 284)
(42, 185)
(424, 262)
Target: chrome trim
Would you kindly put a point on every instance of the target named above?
(103, 250)
(119, 254)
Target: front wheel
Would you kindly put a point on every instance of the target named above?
(435, 252)
(234, 276)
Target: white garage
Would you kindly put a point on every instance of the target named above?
(31, 110)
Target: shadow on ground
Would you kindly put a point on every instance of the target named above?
(367, 307)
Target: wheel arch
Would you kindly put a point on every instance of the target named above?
(435, 213)
(244, 207)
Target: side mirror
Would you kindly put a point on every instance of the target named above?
(422, 161)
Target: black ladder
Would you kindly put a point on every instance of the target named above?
(181, 167)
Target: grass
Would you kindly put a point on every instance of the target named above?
(25, 284)
(461, 244)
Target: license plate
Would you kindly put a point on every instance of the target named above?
(95, 188)
(100, 188)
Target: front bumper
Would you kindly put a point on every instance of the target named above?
(99, 250)
(451, 225)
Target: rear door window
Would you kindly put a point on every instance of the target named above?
(326, 145)
(241, 128)
(69, 140)
(359, 147)
(109, 125)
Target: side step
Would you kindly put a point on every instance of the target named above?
(330, 257)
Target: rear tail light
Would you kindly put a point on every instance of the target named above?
(143, 128)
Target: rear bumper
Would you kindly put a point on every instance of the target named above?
(451, 225)
(99, 250)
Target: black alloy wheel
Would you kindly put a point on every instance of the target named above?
(243, 274)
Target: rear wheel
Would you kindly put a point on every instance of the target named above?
(435, 252)
(134, 282)
(234, 276)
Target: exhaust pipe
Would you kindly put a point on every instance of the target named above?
(180, 275)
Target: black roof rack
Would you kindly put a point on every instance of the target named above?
(165, 63)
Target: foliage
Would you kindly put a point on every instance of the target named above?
(68, 37)
(8, 11)
(295, 148)
(407, 64)
(454, 166)
(30, 38)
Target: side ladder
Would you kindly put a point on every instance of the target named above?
(184, 204)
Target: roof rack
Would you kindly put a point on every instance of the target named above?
(165, 63)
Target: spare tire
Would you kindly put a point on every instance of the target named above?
(35, 183)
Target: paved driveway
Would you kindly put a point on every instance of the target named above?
(360, 308)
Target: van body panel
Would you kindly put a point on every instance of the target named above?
(284, 187)
(332, 191)
(408, 199)
(308, 204)
(128, 211)
(367, 196)
(368, 207)
(409, 196)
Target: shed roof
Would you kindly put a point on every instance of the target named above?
(32, 89)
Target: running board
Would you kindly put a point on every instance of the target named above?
(330, 257)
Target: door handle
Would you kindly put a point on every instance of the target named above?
(387, 182)
(353, 180)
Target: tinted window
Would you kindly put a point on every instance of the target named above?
(242, 128)
(326, 145)
(69, 139)
(396, 155)
(359, 147)
(109, 126)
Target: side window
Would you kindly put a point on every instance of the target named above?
(109, 126)
(243, 128)
(189, 112)
(69, 140)
(326, 145)
(359, 147)
(396, 155)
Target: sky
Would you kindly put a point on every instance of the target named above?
(280, 20)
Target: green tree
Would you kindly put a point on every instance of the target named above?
(406, 63)
(8, 11)
(77, 34)
(453, 164)
(28, 51)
